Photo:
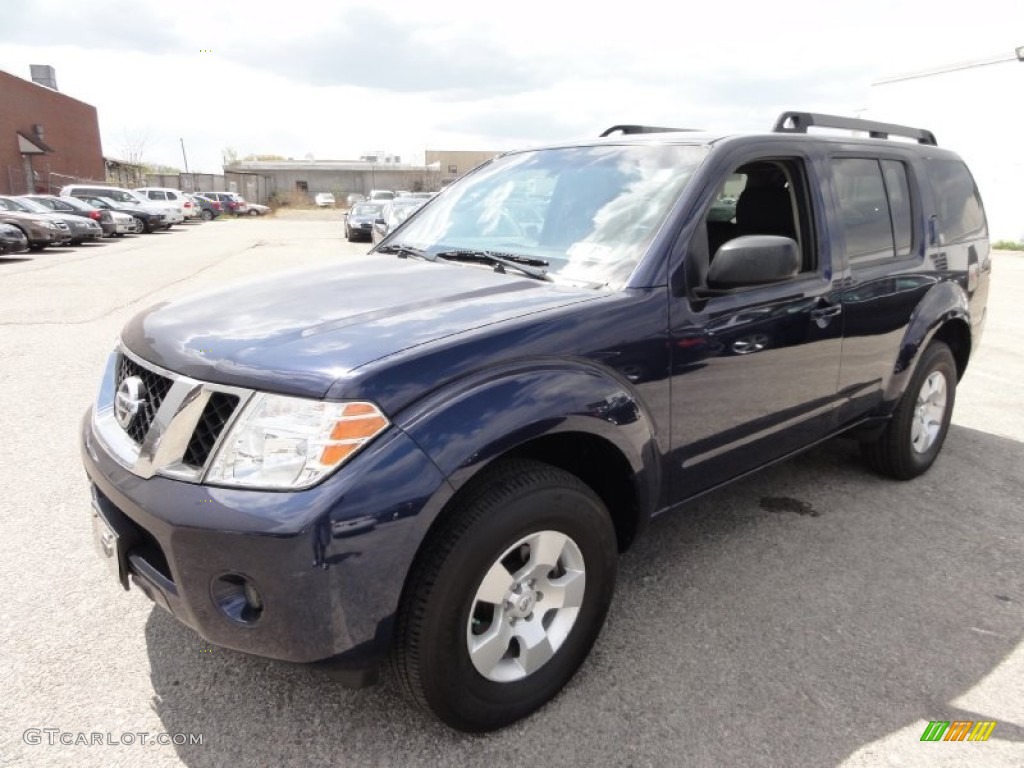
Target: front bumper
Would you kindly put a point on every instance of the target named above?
(329, 563)
(11, 244)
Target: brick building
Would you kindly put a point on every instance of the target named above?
(47, 139)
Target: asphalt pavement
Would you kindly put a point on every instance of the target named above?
(810, 615)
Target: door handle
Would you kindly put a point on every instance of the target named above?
(825, 311)
(830, 311)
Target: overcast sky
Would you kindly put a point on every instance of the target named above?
(338, 79)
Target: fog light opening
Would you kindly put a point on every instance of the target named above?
(237, 598)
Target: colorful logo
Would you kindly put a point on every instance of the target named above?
(958, 730)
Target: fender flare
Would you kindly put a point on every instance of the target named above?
(946, 302)
(465, 426)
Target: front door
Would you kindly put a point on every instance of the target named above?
(755, 369)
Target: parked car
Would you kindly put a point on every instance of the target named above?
(12, 240)
(75, 207)
(381, 195)
(512, 408)
(146, 219)
(392, 215)
(81, 229)
(231, 202)
(192, 208)
(208, 209)
(256, 209)
(324, 200)
(359, 221)
(174, 198)
(40, 230)
(130, 202)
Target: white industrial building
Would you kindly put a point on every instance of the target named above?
(974, 108)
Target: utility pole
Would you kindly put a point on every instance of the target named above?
(185, 158)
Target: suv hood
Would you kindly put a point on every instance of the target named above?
(298, 332)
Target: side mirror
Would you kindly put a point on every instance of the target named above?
(381, 222)
(754, 260)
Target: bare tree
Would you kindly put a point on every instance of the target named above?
(230, 156)
(133, 145)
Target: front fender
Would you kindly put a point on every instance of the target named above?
(944, 303)
(464, 427)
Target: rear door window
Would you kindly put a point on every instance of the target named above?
(898, 190)
(875, 208)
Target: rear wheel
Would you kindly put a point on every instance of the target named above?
(507, 598)
(913, 438)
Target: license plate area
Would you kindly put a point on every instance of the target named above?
(111, 546)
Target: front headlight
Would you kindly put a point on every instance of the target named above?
(50, 225)
(290, 442)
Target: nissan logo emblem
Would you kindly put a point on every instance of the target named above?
(128, 400)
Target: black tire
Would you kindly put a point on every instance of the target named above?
(893, 452)
(254, 212)
(142, 225)
(431, 660)
(206, 215)
(348, 234)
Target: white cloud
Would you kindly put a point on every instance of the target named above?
(337, 79)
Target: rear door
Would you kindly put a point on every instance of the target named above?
(879, 227)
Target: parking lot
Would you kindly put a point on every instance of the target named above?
(812, 614)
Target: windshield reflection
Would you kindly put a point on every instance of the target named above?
(591, 212)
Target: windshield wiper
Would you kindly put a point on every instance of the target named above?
(405, 251)
(526, 265)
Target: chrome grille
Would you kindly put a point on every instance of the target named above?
(156, 388)
(216, 414)
(178, 425)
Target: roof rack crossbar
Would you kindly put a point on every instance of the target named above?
(630, 129)
(799, 122)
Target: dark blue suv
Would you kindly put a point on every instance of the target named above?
(433, 455)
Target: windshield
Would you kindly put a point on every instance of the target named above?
(365, 209)
(590, 212)
(75, 203)
(26, 206)
(121, 195)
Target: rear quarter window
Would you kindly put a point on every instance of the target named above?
(957, 201)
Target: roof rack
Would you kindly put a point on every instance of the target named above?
(799, 122)
(629, 129)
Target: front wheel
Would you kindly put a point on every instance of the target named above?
(507, 597)
(206, 215)
(140, 225)
(913, 438)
